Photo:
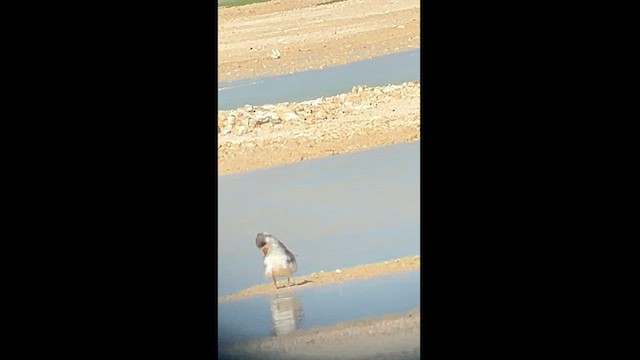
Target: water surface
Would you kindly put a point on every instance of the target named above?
(307, 85)
(280, 314)
(333, 212)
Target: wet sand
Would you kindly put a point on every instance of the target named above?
(390, 337)
(335, 276)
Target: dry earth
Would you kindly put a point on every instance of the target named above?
(310, 35)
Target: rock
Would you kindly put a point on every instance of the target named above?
(248, 108)
(265, 116)
(269, 107)
(314, 102)
(361, 107)
(240, 130)
(231, 119)
(291, 116)
(338, 271)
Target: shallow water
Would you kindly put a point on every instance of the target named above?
(279, 314)
(307, 85)
(333, 212)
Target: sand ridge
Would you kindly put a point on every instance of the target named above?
(366, 271)
(261, 136)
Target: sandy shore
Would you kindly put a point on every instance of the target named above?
(311, 34)
(390, 337)
(366, 271)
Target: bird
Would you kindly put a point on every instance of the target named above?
(278, 260)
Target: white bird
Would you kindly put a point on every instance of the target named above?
(278, 260)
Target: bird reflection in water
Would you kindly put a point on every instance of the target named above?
(286, 313)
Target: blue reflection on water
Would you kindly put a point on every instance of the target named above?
(265, 316)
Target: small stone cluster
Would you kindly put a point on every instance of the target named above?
(249, 118)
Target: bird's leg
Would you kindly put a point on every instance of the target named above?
(274, 281)
(288, 282)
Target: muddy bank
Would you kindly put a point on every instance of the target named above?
(283, 37)
(254, 137)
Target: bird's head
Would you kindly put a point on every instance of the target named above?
(264, 241)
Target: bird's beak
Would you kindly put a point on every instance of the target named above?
(264, 250)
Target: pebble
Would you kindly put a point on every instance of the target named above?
(266, 116)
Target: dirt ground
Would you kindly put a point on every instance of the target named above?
(410, 263)
(310, 35)
(389, 337)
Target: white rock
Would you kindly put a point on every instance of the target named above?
(361, 107)
(266, 116)
(315, 102)
(290, 116)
